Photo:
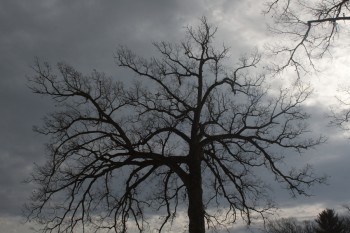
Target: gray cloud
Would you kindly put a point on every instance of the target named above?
(86, 34)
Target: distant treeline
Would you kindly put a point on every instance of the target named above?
(328, 221)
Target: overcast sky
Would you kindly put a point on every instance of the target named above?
(86, 33)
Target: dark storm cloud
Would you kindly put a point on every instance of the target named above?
(85, 34)
(82, 33)
(331, 159)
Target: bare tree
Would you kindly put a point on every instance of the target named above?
(341, 113)
(192, 132)
(289, 225)
(284, 225)
(312, 27)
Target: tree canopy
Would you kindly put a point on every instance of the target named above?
(329, 222)
(312, 27)
(193, 132)
(326, 222)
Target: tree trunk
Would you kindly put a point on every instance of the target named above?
(195, 196)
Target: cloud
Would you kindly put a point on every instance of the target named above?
(15, 225)
(86, 34)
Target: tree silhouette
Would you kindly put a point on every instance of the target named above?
(311, 26)
(346, 218)
(329, 222)
(284, 225)
(290, 225)
(192, 132)
(312, 29)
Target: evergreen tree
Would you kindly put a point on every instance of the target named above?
(329, 222)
